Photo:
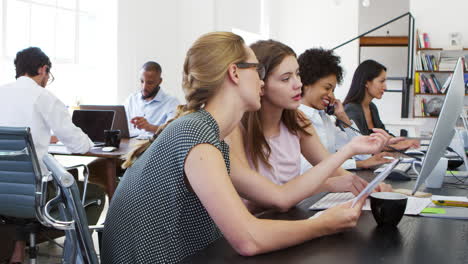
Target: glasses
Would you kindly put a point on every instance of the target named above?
(51, 78)
(258, 66)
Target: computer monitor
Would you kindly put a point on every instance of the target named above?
(445, 126)
(120, 119)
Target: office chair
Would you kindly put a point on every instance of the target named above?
(21, 182)
(23, 189)
(79, 246)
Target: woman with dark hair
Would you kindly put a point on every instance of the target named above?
(369, 82)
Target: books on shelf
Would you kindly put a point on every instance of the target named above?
(423, 40)
(421, 108)
(426, 62)
(427, 83)
(465, 78)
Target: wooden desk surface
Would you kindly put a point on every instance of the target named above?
(416, 240)
(110, 158)
(126, 145)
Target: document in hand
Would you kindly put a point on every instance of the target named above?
(375, 182)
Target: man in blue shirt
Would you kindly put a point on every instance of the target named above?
(150, 107)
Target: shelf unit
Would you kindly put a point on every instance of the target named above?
(440, 75)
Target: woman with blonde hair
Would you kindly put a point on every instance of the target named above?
(177, 196)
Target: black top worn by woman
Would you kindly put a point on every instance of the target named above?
(153, 216)
(356, 113)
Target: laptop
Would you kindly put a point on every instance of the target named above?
(120, 119)
(93, 123)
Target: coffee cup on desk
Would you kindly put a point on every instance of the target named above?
(388, 208)
(112, 138)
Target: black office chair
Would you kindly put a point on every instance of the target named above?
(23, 189)
(21, 183)
(79, 246)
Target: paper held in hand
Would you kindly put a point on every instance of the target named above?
(375, 182)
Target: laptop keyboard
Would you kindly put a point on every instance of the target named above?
(331, 200)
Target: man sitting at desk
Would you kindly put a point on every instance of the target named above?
(25, 103)
(149, 107)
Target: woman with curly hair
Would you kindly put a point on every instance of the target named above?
(320, 72)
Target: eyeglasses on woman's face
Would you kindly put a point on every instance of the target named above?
(258, 66)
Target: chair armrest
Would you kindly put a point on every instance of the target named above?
(96, 227)
(58, 224)
(85, 175)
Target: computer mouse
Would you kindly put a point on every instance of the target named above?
(108, 149)
(397, 175)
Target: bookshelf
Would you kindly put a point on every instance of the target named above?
(432, 75)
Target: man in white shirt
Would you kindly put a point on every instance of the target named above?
(26, 103)
(149, 107)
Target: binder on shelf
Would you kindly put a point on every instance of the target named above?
(417, 85)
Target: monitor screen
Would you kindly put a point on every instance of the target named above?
(445, 126)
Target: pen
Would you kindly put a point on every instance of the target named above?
(451, 203)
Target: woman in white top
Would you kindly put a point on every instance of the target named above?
(320, 72)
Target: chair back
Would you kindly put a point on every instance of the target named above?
(78, 234)
(20, 174)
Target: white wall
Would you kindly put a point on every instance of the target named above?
(304, 24)
(298, 23)
(159, 31)
(163, 30)
(381, 11)
(438, 18)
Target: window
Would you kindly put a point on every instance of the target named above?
(52, 25)
(79, 36)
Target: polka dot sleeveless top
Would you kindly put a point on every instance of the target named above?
(153, 217)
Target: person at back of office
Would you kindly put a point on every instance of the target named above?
(150, 107)
(26, 103)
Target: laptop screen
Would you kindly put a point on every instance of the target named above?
(120, 117)
(93, 122)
